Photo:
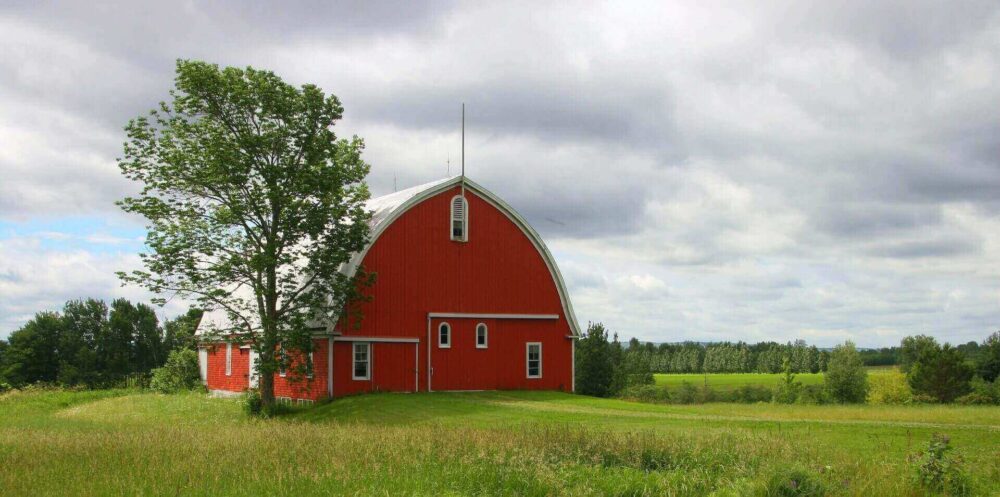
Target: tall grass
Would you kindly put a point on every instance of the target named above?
(119, 443)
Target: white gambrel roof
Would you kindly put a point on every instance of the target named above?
(388, 208)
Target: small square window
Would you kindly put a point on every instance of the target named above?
(362, 361)
(534, 360)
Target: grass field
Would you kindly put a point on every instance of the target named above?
(514, 443)
(730, 381)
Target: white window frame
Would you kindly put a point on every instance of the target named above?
(442, 345)
(486, 336)
(368, 361)
(465, 219)
(527, 360)
(229, 359)
(311, 361)
(281, 361)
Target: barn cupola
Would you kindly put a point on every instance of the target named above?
(459, 219)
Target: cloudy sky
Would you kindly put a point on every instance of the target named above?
(705, 171)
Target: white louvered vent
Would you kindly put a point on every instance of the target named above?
(459, 218)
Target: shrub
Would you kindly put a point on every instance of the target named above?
(814, 395)
(889, 388)
(787, 392)
(795, 482)
(846, 379)
(253, 405)
(749, 394)
(179, 373)
(647, 393)
(939, 470)
(983, 393)
(687, 393)
(4, 387)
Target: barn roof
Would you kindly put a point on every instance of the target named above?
(388, 208)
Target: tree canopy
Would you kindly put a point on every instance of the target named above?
(253, 204)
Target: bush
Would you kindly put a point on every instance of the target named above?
(179, 373)
(646, 393)
(253, 405)
(795, 482)
(889, 388)
(813, 395)
(750, 394)
(687, 393)
(4, 387)
(983, 393)
(846, 379)
(939, 470)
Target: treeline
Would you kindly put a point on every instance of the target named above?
(92, 344)
(726, 357)
(928, 371)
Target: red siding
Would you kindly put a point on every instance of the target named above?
(420, 270)
(499, 270)
(217, 378)
(393, 369)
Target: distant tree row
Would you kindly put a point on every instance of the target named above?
(727, 357)
(928, 371)
(92, 344)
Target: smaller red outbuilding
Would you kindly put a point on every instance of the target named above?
(467, 297)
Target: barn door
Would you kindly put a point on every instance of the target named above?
(254, 377)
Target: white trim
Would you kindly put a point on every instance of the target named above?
(486, 336)
(352, 266)
(312, 362)
(465, 219)
(527, 360)
(572, 366)
(377, 339)
(368, 361)
(229, 359)
(329, 367)
(460, 315)
(442, 345)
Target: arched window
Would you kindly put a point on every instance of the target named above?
(444, 336)
(481, 337)
(459, 219)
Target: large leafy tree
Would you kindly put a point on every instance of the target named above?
(253, 204)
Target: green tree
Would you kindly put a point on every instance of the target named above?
(989, 359)
(178, 333)
(114, 347)
(787, 391)
(32, 353)
(846, 379)
(593, 362)
(84, 321)
(253, 206)
(911, 349)
(941, 372)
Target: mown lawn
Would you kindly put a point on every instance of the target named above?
(513, 443)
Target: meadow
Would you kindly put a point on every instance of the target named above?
(491, 443)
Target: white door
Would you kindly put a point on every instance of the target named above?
(203, 364)
(253, 369)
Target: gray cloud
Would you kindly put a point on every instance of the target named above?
(709, 170)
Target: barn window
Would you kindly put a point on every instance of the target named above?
(311, 365)
(281, 362)
(444, 336)
(459, 219)
(534, 359)
(481, 338)
(229, 359)
(362, 361)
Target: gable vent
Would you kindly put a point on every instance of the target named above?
(459, 218)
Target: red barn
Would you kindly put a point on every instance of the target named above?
(467, 297)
